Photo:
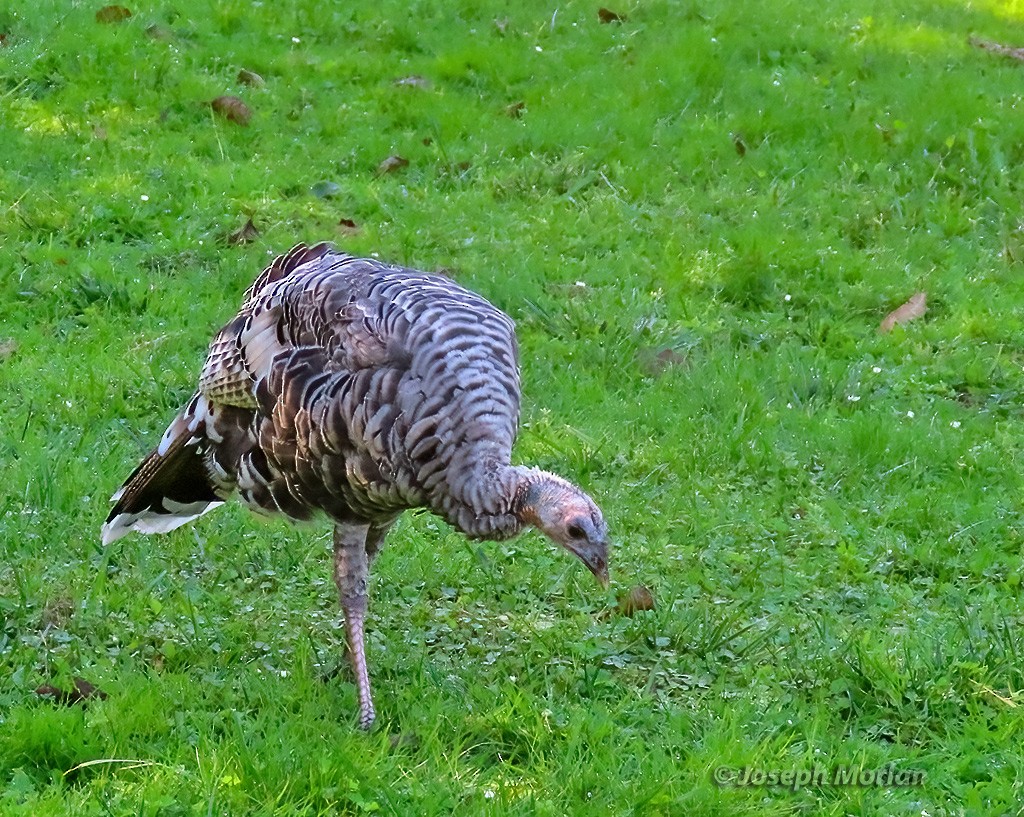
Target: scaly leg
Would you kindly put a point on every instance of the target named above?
(350, 574)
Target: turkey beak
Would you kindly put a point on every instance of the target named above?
(595, 556)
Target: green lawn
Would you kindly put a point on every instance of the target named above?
(829, 518)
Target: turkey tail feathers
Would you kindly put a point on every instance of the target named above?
(171, 485)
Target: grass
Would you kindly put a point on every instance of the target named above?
(829, 518)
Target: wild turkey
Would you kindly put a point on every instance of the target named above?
(358, 389)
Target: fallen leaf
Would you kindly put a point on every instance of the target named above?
(348, 226)
(232, 109)
(99, 132)
(739, 144)
(609, 16)
(325, 189)
(413, 81)
(246, 234)
(656, 361)
(637, 600)
(502, 25)
(404, 741)
(391, 164)
(159, 32)
(57, 612)
(914, 308)
(3, 38)
(247, 77)
(515, 110)
(576, 290)
(80, 692)
(998, 48)
(112, 14)
(8, 346)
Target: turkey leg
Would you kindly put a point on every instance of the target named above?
(350, 574)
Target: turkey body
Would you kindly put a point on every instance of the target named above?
(357, 389)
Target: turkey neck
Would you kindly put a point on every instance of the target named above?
(486, 500)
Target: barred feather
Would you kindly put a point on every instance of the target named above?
(359, 389)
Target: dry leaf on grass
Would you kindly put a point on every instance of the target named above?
(576, 290)
(8, 346)
(515, 110)
(112, 14)
(638, 599)
(247, 77)
(609, 16)
(404, 741)
(413, 81)
(656, 362)
(348, 226)
(914, 308)
(246, 234)
(998, 48)
(325, 189)
(81, 691)
(159, 32)
(391, 164)
(232, 109)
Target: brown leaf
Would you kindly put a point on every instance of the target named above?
(232, 109)
(609, 16)
(8, 346)
(348, 226)
(247, 77)
(998, 48)
(112, 14)
(391, 164)
(80, 692)
(576, 290)
(656, 361)
(413, 81)
(3, 38)
(57, 612)
(739, 144)
(637, 600)
(404, 741)
(246, 234)
(914, 308)
(159, 32)
(515, 110)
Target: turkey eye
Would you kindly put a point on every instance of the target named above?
(576, 532)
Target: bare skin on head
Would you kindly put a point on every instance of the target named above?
(568, 517)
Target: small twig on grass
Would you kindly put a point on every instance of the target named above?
(964, 530)
(134, 763)
(998, 48)
(1009, 701)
